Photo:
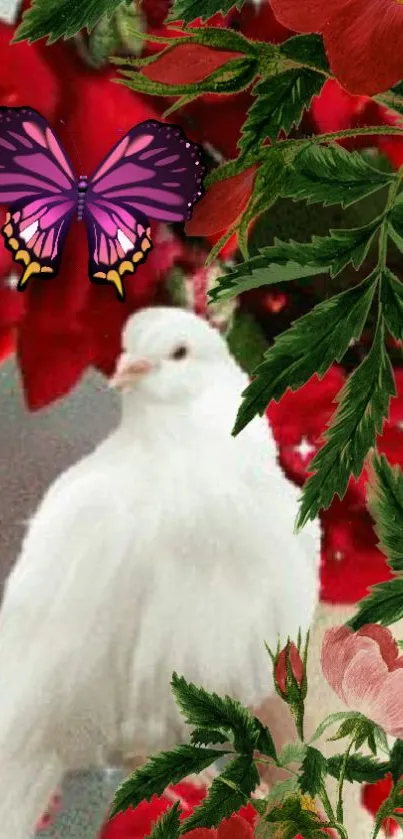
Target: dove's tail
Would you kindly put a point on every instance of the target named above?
(26, 785)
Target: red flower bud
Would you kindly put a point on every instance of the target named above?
(295, 664)
(223, 203)
(187, 64)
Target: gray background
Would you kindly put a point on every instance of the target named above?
(34, 449)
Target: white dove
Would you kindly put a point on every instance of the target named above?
(170, 547)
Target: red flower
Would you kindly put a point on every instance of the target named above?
(373, 796)
(360, 38)
(137, 824)
(223, 203)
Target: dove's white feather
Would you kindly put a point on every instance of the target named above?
(170, 547)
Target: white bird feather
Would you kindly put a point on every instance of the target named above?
(170, 547)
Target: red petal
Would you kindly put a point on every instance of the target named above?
(235, 828)
(222, 204)
(187, 63)
(303, 15)
(368, 31)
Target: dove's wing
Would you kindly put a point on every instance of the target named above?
(55, 641)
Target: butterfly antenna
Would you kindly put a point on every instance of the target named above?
(73, 143)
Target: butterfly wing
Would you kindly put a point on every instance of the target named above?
(39, 188)
(153, 172)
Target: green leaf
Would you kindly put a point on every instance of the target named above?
(384, 605)
(332, 718)
(207, 710)
(332, 175)
(280, 103)
(190, 10)
(246, 340)
(310, 346)
(392, 303)
(159, 772)
(292, 753)
(168, 825)
(313, 772)
(396, 760)
(361, 768)
(386, 505)
(227, 794)
(307, 50)
(56, 19)
(265, 743)
(286, 261)
(363, 407)
(207, 737)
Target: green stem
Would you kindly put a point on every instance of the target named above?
(339, 808)
(326, 803)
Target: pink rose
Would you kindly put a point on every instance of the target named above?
(366, 672)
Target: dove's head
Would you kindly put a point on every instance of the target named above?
(169, 354)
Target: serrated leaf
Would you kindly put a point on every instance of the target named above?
(207, 737)
(227, 794)
(160, 771)
(279, 262)
(396, 760)
(310, 346)
(331, 175)
(207, 710)
(384, 605)
(292, 753)
(307, 50)
(386, 505)
(313, 772)
(346, 728)
(280, 103)
(361, 768)
(190, 10)
(332, 718)
(56, 19)
(246, 340)
(168, 825)
(265, 743)
(362, 409)
(280, 790)
(392, 303)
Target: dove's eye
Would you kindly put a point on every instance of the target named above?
(179, 352)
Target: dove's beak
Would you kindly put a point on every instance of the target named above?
(129, 370)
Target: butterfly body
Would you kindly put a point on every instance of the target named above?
(154, 171)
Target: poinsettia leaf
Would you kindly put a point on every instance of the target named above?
(207, 710)
(313, 772)
(307, 50)
(279, 105)
(386, 505)
(359, 767)
(279, 262)
(167, 826)
(392, 303)
(54, 19)
(363, 407)
(310, 346)
(332, 175)
(267, 188)
(227, 794)
(384, 604)
(190, 10)
(160, 771)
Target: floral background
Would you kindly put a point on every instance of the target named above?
(54, 335)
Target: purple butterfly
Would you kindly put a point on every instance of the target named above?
(154, 171)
